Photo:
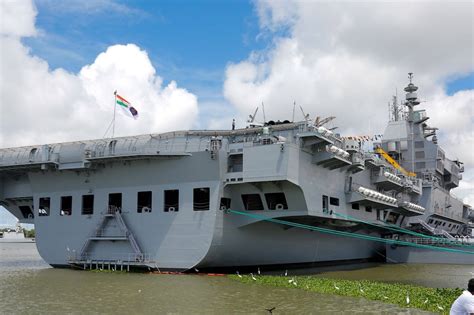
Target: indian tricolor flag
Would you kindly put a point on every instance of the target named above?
(126, 106)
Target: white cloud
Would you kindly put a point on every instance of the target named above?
(347, 58)
(17, 18)
(41, 105)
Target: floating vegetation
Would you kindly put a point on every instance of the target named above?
(404, 295)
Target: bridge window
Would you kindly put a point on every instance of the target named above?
(88, 204)
(66, 205)
(44, 206)
(144, 201)
(115, 202)
(171, 200)
(419, 144)
(420, 165)
(368, 208)
(201, 198)
(276, 201)
(355, 206)
(252, 202)
(334, 201)
(420, 154)
(235, 163)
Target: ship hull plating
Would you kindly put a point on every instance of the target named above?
(202, 198)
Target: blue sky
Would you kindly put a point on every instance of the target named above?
(190, 42)
(187, 41)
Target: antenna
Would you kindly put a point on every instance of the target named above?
(294, 105)
(263, 109)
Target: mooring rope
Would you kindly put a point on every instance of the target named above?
(349, 234)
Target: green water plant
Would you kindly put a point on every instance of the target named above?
(438, 300)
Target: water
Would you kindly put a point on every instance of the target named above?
(29, 286)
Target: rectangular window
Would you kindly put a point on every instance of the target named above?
(325, 203)
(225, 203)
(276, 201)
(235, 163)
(368, 208)
(334, 201)
(201, 198)
(144, 201)
(420, 154)
(115, 202)
(44, 206)
(355, 206)
(252, 202)
(419, 144)
(87, 204)
(66, 205)
(420, 165)
(171, 200)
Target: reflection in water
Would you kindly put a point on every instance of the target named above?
(28, 286)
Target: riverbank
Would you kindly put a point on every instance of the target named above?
(438, 300)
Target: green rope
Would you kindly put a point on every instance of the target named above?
(399, 229)
(349, 234)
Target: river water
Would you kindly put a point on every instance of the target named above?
(29, 286)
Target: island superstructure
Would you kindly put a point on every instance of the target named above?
(172, 200)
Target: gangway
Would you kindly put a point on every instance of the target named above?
(447, 235)
(427, 226)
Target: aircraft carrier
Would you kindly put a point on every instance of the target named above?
(275, 193)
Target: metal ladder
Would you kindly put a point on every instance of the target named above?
(129, 235)
(97, 232)
(113, 213)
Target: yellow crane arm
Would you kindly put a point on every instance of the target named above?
(393, 162)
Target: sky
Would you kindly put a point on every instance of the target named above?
(199, 64)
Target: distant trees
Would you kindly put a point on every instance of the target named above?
(29, 233)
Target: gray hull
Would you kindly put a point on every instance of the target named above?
(404, 254)
(171, 200)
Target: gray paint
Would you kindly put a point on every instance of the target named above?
(293, 158)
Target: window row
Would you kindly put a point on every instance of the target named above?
(443, 223)
(201, 201)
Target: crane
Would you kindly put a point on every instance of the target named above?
(319, 122)
(394, 163)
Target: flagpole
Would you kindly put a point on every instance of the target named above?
(113, 121)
